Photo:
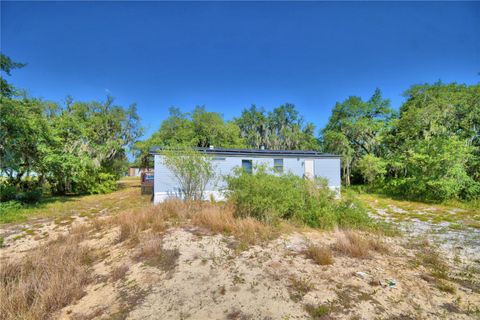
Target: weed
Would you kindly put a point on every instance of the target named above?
(299, 287)
(320, 255)
(446, 286)
(428, 256)
(319, 312)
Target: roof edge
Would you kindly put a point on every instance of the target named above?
(258, 152)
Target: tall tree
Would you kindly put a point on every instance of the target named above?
(436, 141)
(282, 128)
(360, 125)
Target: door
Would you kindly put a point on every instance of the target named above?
(309, 171)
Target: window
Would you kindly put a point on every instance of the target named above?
(247, 166)
(218, 159)
(278, 165)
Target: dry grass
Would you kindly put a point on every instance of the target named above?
(319, 254)
(133, 222)
(119, 272)
(358, 245)
(151, 251)
(45, 280)
(220, 219)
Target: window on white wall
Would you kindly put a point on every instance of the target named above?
(278, 165)
(247, 166)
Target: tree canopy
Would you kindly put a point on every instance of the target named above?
(78, 147)
(282, 128)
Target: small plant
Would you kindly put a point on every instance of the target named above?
(119, 272)
(356, 245)
(320, 255)
(299, 287)
(318, 312)
(446, 286)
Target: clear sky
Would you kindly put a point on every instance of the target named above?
(228, 56)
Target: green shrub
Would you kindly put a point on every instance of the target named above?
(102, 183)
(30, 196)
(9, 206)
(271, 197)
(7, 192)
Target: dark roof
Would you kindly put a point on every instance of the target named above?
(257, 152)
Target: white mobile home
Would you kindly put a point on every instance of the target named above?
(308, 164)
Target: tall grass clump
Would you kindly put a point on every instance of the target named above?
(271, 197)
(45, 280)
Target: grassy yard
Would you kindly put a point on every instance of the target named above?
(126, 197)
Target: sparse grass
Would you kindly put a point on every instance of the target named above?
(319, 254)
(119, 272)
(45, 280)
(298, 288)
(428, 256)
(446, 286)
(318, 312)
(460, 213)
(151, 251)
(358, 245)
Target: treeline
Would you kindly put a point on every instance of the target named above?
(73, 148)
(429, 149)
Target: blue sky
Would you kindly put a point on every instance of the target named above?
(228, 56)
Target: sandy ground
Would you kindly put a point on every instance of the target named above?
(211, 280)
(463, 242)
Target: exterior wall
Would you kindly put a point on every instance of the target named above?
(165, 185)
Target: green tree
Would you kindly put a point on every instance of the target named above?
(282, 128)
(440, 110)
(434, 169)
(197, 129)
(6, 66)
(193, 171)
(372, 169)
(361, 125)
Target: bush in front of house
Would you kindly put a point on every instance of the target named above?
(271, 197)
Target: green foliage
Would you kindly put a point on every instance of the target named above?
(30, 196)
(282, 128)
(6, 66)
(100, 183)
(199, 128)
(7, 192)
(272, 197)
(372, 169)
(77, 148)
(9, 206)
(434, 169)
(192, 170)
(356, 129)
(434, 147)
